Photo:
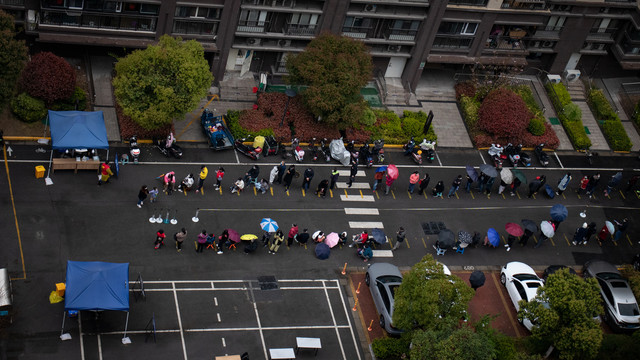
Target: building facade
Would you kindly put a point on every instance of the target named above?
(407, 38)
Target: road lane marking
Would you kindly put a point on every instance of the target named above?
(499, 287)
(354, 185)
(408, 193)
(361, 211)
(333, 319)
(438, 157)
(557, 158)
(365, 198)
(424, 243)
(366, 224)
(481, 158)
(175, 301)
(347, 173)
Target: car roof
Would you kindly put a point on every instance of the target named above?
(517, 267)
(381, 269)
(600, 266)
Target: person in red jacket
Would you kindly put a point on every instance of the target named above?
(292, 234)
(159, 239)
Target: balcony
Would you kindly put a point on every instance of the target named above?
(284, 5)
(12, 2)
(98, 21)
(469, 2)
(501, 42)
(252, 26)
(356, 32)
(524, 4)
(601, 34)
(300, 29)
(448, 42)
(400, 34)
(548, 32)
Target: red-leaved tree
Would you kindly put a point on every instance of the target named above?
(503, 113)
(48, 77)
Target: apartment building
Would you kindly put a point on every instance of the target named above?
(407, 38)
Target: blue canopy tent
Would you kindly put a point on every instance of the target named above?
(97, 286)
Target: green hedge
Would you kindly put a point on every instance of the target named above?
(391, 348)
(536, 126)
(28, 109)
(413, 125)
(563, 98)
(612, 126)
(569, 114)
(78, 96)
(575, 132)
(469, 108)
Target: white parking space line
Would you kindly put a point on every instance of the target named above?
(355, 185)
(264, 345)
(99, 347)
(361, 211)
(366, 198)
(557, 158)
(347, 173)
(175, 299)
(348, 317)
(333, 318)
(366, 224)
(382, 253)
(482, 157)
(438, 157)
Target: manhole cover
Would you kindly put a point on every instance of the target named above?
(433, 227)
(267, 282)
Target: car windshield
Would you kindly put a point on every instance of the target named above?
(628, 309)
(525, 277)
(609, 275)
(389, 278)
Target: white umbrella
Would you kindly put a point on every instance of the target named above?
(506, 176)
(547, 229)
(610, 227)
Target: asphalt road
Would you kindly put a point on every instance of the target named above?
(74, 219)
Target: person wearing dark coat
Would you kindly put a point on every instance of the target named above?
(591, 230)
(489, 185)
(281, 170)
(593, 182)
(424, 182)
(308, 175)
(322, 188)
(437, 191)
(580, 234)
(251, 246)
(482, 181)
(535, 185)
(510, 240)
(334, 178)
(353, 172)
(469, 182)
(524, 238)
(288, 177)
(514, 186)
(303, 237)
(252, 174)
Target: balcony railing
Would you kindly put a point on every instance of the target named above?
(499, 42)
(301, 29)
(356, 32)
(469, 2)
(252, 26)
(452, 42)
(98, 21)
(400, 34)
(524, 4)
(12, 2)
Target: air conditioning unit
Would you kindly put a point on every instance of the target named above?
(572, 75)
(394, 48)
(253, 41)
(536, 44)
(283, 43)
(370, 8)
(547, 44)
(554, 79)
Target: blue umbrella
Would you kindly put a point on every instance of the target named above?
(473, 174)
(559, 212)
(549, 191)
(268, 225)
(494, 237)
(379, 236)
(322, 251)
(381, 169)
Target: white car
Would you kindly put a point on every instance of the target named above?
(521, 283)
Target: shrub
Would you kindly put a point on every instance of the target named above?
(600, 105)
(48, 77)
(636, 115)
(391, 348)
(575, 132)
(467, 89)
(573, 113)
(413, 125)
(536, 126)
(616, 135)
(128, 127)
(504, 114)
(469, 108)
(526, 94)
(619, 346)
(559, 95)
(634, 279)
(79, 96)
(28, 109)
(389, 127)
(368, 117)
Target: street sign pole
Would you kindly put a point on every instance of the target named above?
(427, 123)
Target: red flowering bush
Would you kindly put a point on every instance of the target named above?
(528, 140)
(466, 88)
(503, 113)
(48, 77)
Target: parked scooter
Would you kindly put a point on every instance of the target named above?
(326, 151)
(542, 156)
(409, 146)
(351, 148)
(297, 151)
(428, 149)
(313, 150)
(365, 155)
(525, 159)
(168, 147)
(497, 155)
(134, 150)
(512, 154)
(248, 150)
(271, 146)
(378, 150)
(411, 149)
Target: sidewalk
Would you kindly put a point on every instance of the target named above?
(101, 70)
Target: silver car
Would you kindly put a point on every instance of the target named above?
(621, 308)
(383, 280)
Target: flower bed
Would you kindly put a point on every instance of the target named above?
(569, 115)
(611, 124)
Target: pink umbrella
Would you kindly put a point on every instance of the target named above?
(332, 239)
(392, 172)
(234, 236)
(514, 229)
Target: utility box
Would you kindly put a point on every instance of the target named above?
(40, 171)
(60, 288)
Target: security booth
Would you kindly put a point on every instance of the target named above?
(5, 298)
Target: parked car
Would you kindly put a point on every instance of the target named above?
(553, 268)
(521, 283)
(620, 306)
(383, 279)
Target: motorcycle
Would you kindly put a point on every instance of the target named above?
(428, 149)
(248, 150)
(513, 155)
(378, 150)
(525, 159)
(411, 149)
(365, 155)
(542, 156)
(298, 153)
(326, 151)
(168, 147)
(409, 146)
(134, 150)
(497, 155)
(313, 150)
(351, 148)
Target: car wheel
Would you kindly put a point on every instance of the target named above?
(382, 323)
(503, 279)
(367, 279)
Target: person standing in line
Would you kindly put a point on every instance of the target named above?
(377, 179)
(534, 186)
(622, 227)
(563, 183)
(424, 183)
(292, 234)
(580, 234)
(455, 186)
(514, 186)
(437, 191)
(142, 194)
(308, 176)
(278, 239)
(203, 175)
(414, 178)
(273, 175)
(489, 185)
(282, 168)
(153, 193)
(583, 184)
(266, 238)
(288, 177)
(180, 237)
(510, 240)
(632, 182)
(219, 176)
(591, 230)
(352, 173)
(202, 239)
(169, 182)
(603, 235)
(223, 239)
(482, 182)
(524, 238)
(400, 236)
(593, 182)
(105, 172)
(469, 182)
(334, 178)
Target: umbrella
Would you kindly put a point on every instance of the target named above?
(473, 174)
(464, 237)
(494, 237)
(529, 225)
(316, 234)
(559, 212)
(514, 229)
(547, 229)
(233, 235)
(268, 225)
(610, 227)
(248, 237)
(332, 239)
(517, 173)
(379, 236)
(446, 239)
(549, 191)
(381, 169)
(506, 176)
(615, 179)
(488, 170)
(392, 172)
(477, 279)
(322, 251)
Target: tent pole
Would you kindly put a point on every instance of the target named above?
(108, 156)
(126, 324)
(64, 313)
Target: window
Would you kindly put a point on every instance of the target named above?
(405, 25)
(555, 23)
(76, 4)
(351, 23)
(54, 3)
(458, 28)
(447, 42)
(384, 295)
(198, 12)
(150, 9)
(304, 19)
(94, 4)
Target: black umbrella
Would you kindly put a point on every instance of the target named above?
(558, 212)
(529, 225)
(446, 239)
(473, 174)
(476, 279)
(378, 236)
(488, 170)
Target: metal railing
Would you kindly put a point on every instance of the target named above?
(300, 29)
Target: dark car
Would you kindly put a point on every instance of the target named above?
(553, 268)
(621, 308)
(383, 279)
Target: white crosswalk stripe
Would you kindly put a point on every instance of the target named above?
(347, 173)
(361, 211)
(382, 253)
(365, 198)
(366, 224)
(355, 185)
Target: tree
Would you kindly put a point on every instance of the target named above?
(564, 313)
(162, 82)
(430, 300)
(452, 344)
(334, 68)
(48, 77)
(13, 57)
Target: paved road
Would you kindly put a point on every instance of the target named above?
(74, 219)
